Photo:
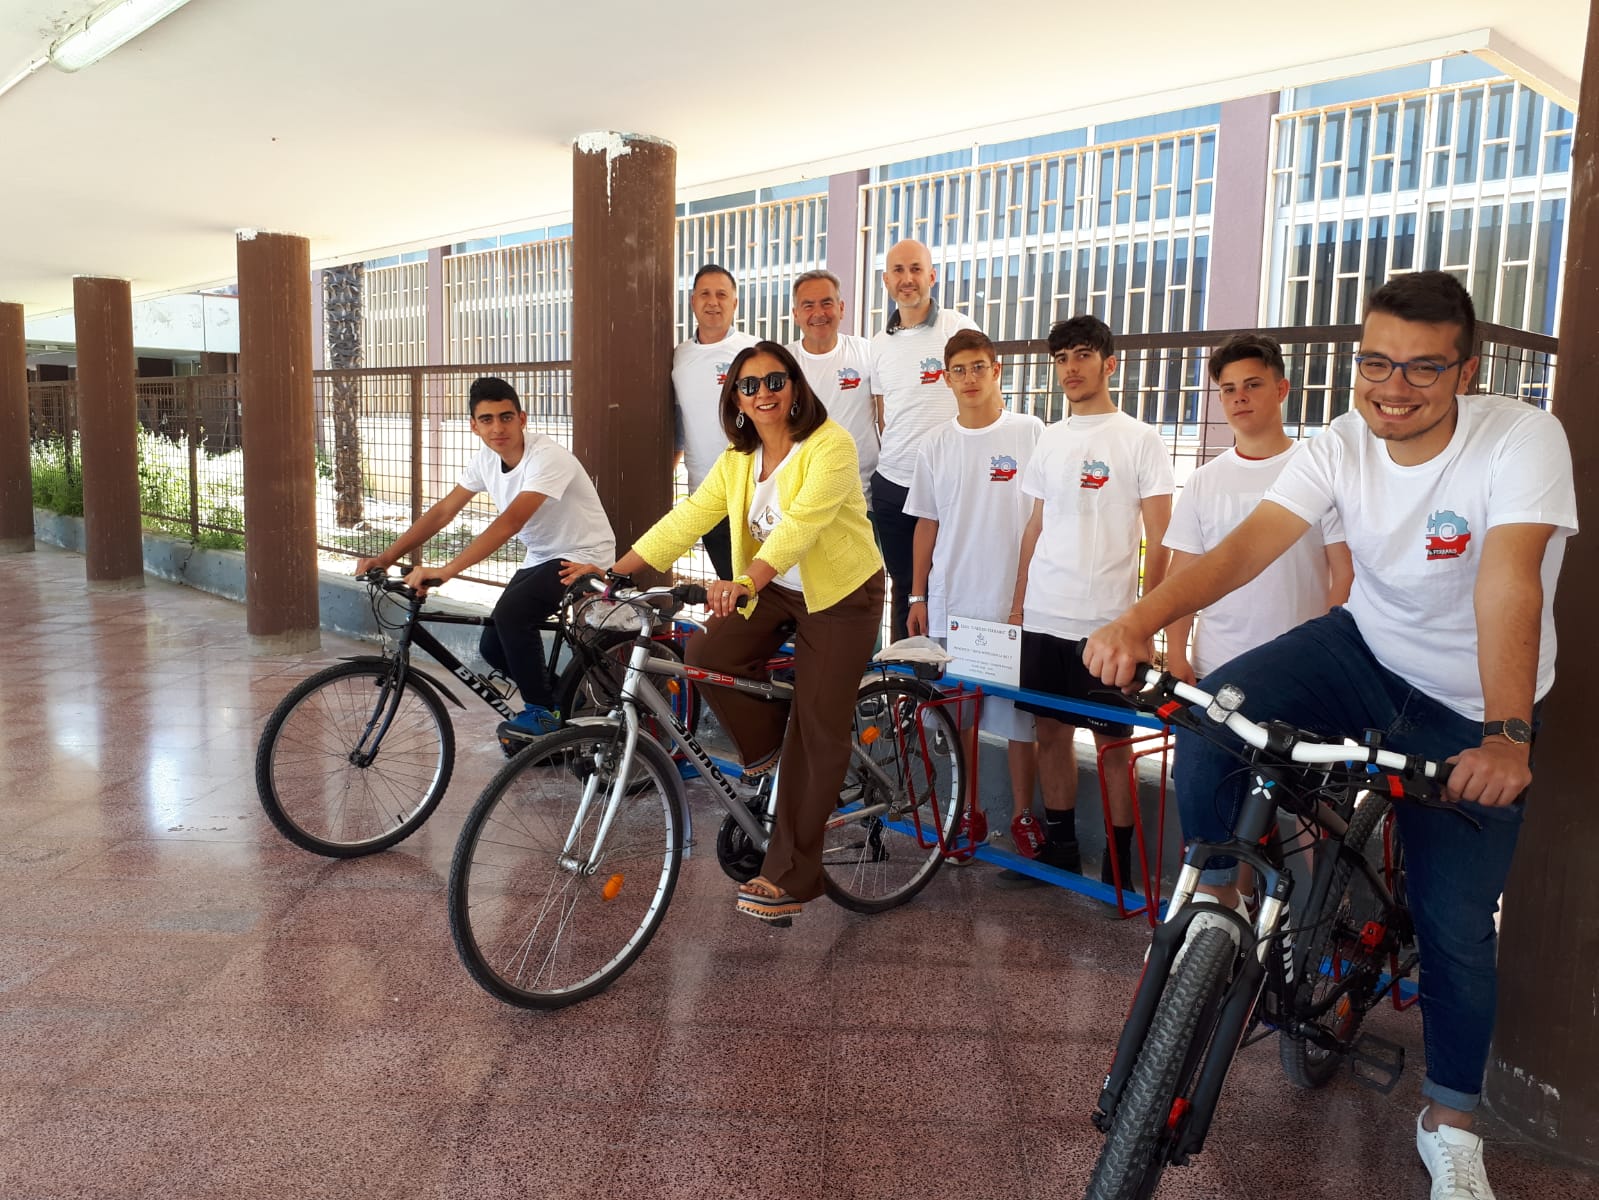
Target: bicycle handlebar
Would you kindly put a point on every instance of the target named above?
(1280, 740)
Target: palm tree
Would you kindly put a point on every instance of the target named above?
(341, 307)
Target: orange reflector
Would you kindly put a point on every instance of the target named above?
(674, 688)
(613, 885)
(870, 734)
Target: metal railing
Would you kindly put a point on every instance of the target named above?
(391, 442)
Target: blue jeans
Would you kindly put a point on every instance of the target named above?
(1322, 677)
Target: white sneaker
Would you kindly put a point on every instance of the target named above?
(1454, 1159)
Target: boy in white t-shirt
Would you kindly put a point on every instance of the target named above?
(1456, 508)
(548, 502)
(1313, 576)
(966, 493)
(1098, 480)
(838, 366)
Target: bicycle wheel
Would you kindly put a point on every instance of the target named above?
(1335, 952)
(881, 845)
(1135, 1150)
(530, 924)
(325, 796)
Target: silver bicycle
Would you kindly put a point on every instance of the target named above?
(568, 860)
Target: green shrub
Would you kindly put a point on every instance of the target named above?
(57, 480)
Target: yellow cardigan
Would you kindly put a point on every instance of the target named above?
(824, 527)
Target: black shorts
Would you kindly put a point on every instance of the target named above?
(1055, 665)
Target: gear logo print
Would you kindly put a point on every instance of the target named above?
(1096, 474)
(1447, 534)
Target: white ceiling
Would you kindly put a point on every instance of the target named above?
(367, 125)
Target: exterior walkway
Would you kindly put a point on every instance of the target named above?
(190, 1007)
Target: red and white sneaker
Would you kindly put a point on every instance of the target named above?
(1027, 832)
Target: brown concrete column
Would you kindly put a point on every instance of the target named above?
(1543, 1074)
(623, 222)
(275, 402)
(16, 474)
(108, 433)
(1241, 209)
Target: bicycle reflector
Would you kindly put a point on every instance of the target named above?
(612, 888)
(870, 734)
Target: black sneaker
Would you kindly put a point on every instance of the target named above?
(1066, 856)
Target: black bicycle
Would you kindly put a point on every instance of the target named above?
(354, 759)
(1204, 997)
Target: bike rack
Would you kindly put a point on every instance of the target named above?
(1150, 909)
(973, 831)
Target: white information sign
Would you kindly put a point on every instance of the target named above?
(986, 650)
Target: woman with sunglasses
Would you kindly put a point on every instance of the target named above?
(806, 563)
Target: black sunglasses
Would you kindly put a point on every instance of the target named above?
(750, 384)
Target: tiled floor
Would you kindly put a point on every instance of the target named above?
(192, 1008)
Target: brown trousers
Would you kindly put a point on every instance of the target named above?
(831, 650)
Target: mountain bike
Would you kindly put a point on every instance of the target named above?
(1204, 996)
(355, 758)
(567, 862)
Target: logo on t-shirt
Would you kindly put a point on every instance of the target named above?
(932, 370)
(721, 372)
(1001, 468)
(1447, 534)
(1096, 474)
(848, 379)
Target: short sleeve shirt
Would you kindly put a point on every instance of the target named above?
(571, 523)
(908, 371)
(842, 381)
(698, 372)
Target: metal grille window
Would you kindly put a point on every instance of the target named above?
(1121, 230)
(1474, 180)
(394, 329)
(511, 304)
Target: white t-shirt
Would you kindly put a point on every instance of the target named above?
(1293, 590)
(571, 523)
(1092, 473)
(908, 372)
(698, 372)
(1416, 533)
(842, 380)
(766, 510)
(969, 481)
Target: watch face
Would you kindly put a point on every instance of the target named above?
(1518, 731)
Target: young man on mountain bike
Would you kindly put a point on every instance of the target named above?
(1456, 508)
(546, 500)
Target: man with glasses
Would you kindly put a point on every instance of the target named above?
(699, 368)
(911, 400)
(1456, 508)
(838, 366)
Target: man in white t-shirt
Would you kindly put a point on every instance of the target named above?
(699, 369)
(1311, 577)
(911, 400)
(1456, 508)
(967, 497)
(838, 366)
(1101, 482)
(547, 501)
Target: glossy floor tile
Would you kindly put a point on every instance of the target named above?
(192, 1007)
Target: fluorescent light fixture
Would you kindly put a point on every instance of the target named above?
(106, 28)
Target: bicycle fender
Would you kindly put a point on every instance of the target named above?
(421, 676)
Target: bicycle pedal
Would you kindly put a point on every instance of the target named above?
(1376, 1063)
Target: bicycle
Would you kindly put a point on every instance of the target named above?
(567, 862)
(1312, 984)
(355, 758)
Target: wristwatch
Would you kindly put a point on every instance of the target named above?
(1514, 730)
(915, 599)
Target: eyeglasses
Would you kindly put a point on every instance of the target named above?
(1379, 368)
(976, 370)
(750, 384)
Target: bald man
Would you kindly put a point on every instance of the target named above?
(912, 401)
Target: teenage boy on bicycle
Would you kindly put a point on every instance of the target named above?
(546, 500)
(966, 492)
(1097, 480)
(1456, 509)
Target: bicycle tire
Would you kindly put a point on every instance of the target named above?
(1134, 1155)
(506, 871)
(879, 862)
(325, 803)
(1334, 933)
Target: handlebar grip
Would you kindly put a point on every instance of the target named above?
(690, 593)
